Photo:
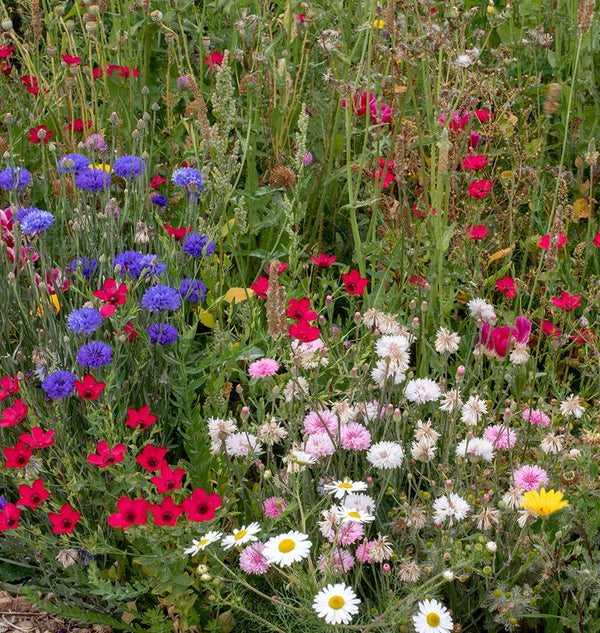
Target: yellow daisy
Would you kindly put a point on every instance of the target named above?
(544, 503)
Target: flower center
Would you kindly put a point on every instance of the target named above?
(347, 486)
(287, 545)
(433, 619)
(203, 542)
(240, 535)
(354, 515)
(336, 602)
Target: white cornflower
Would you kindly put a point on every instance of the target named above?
(388, 325)
(423, 450)
(246, 534)
(272, 432)
(336, 604)
(394, 348)
(409, 572)
(446, 341)
(433, 617)
(450, 507)
(526, 516)
(422, 390)
(386, 455)
(481, 309)
(425, 431)
(385, 370)
(345, 514)
(341, 488)
(380, 549)
(451, 401)
(371, 317)
(219, 430)
(512, 497)
(288, 548)
(476, 447)
(572, 406)
(203, 542)
(473, 410)
(344, 411)
(520, 354)
(552, 443)
(360, 501)
(487, 518)
(295, 389)
(297, 461)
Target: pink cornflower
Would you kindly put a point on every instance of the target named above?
(318, 421)
(500, 436)
(355, 436)
(530, 478)
(274, 506)
(338, 563)
(320, 445)
(536, 417)
(347, 533)
(252, 560)
(238, 444)
(363, 553)
(263, 368)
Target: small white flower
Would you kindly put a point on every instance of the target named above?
(450, 507)
(341, 488)
(423, 450)
(448, 575)
(473, 410)
(491, 547)
(520, 354)
(245, 534)
(288, 548)
(572, 406)
(433, 617)
(345, 514)
(451, 401)
(386, 455)
(422, 390)
(336, 604)
(203, 542)
(446, 342)
(481, 309)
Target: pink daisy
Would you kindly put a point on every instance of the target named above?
(318, 421)
(530, 478)
(338, 563)
(347, 533)
(252, 560)
(355, 436)
(274, 506)
(263, 368)
(320, 445)
(500, 436)
(536, 417)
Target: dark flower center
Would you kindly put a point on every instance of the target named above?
(67, 523)
(167, 516)
(129, 516)
(202, 508)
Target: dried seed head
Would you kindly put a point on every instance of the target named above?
(585, 15)
(551, 105)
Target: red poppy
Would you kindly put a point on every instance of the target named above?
(215, 59)
(168, 480)
(385, 175)
(131, 512)
(156, 182)
(6, 68)
(32, 496)
(112, 296)
(141, 419)
(201, 506)
(152, 458)
(304, 332)
(105, 456)
(64, 522)
(548, 328)
(37, 438)
(480, 188)
(567, 301)
(323, 260)
(596, 240)
(354, 283)
(584, 336)
(89, 388)
(179, 233)
(130, 331)
(299, 310)
(9, 517)
(122, 71)
(483, 115)
(30, 84)
(15, 414)
(34, 134)
(506, 286)
(282, 268)
(70, 60)
(167, 512)
(79, 125)
(477, 233)
(260, 287)
(6, 51)
(17, 456)
(8, 387)
(475, 163)
(544, 241)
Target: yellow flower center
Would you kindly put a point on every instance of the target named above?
(203, 542)
(240, 535)
(336, 602)
(287, 545)
(433, 619)
(354, 515)
(345, 485)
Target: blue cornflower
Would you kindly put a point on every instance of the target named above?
(198, 245)
(92, 179)
(161, 298)
(162, 333)
(158, 200)
(189, 178)
(59, 384)
(85, 320)
(35, 221)
(87, 265)
(127, 260)
(95, 354)
(73, 163)
(129, 166)
(3, 502)
(14, 178)
(24, 211)
(192, 290)
(136, 263)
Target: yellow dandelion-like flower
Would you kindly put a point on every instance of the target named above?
(544, 502)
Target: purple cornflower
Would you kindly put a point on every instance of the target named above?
(93, 179)
(73, 163)
(95, 141)
(59, 384)
(192, 290)
(198, 245)
(189, 178)
(162, 333)
(14, 178)
(95, 354)
(161, 297)
(34, 221)
(85, 320)
(136, 263)
(159, 201)
(87, 265)
(129, 166)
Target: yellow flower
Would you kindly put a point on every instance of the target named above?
(378, 24)
(106, 168)
(544, 503)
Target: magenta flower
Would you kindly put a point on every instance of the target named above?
(274, 506)
(536, 417)
(530, 478)
(263, 368)
(500, 436)
(252, 560)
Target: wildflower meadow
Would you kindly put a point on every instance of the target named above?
(299, 314)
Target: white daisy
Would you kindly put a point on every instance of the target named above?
(347, 513)
(203, 542)
(386, 455)
(341, 488)
(481, 309)
(473, 410)
(450, 507)
(433, 617)
(287, 548)
(421, 390)
(242, 536)
(336, 604)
